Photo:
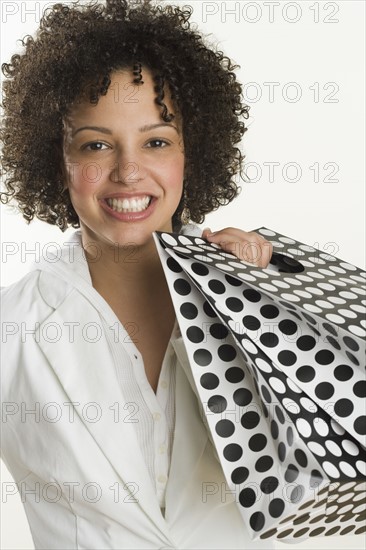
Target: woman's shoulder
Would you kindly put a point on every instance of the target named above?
(30, 296)
(23, 290)
(191, 230)
(46, 284)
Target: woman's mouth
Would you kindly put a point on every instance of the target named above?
(131, 209)
(137, 204)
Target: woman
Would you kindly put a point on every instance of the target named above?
(119, 121)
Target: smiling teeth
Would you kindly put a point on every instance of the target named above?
(129, 205)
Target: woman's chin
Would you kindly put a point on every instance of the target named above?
(128, 235)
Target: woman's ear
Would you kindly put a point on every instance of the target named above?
(66, 171)
(186, 214)
(64, 176)
(62, 172)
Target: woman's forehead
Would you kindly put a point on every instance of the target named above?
(126, 97)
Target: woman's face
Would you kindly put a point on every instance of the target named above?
(124, 164)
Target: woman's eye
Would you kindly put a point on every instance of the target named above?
(157, 143)
(94, 146)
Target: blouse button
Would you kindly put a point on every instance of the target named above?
(156, 416)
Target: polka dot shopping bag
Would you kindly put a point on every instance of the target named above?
(278, 359)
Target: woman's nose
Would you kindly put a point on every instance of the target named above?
(127, 171)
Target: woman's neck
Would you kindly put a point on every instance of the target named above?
(124, 271)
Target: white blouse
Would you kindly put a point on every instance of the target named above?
(152, 415)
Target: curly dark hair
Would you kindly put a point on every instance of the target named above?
(74, 53)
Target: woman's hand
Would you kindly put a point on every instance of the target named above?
(251, 247)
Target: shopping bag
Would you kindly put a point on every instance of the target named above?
(277, 357)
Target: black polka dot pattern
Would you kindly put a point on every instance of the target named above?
(270, 358)
(341, 513)
(288, 341)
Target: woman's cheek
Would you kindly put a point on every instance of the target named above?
(175, 172)
(85, 180)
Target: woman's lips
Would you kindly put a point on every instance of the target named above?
(129, 204)
(129, 209)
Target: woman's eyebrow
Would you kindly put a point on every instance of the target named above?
(145, 128)
(96, 128)
(157, 125)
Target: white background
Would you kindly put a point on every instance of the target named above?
(302, 64)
